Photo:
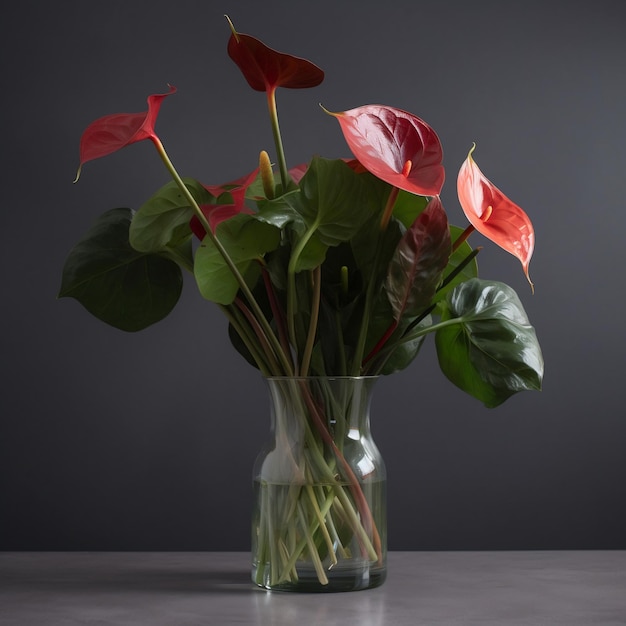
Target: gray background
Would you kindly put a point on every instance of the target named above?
(146, 441)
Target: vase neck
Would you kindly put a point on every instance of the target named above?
(341, 403)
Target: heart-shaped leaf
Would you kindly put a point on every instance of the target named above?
(333, 200)
(490, 350)
(417, 265)
(119, 285)
(395, 146)
(163, 220)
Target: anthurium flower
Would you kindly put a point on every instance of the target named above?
(110, 133)
(493, 215)
(217, 213)
(395, 146)
(266, 69)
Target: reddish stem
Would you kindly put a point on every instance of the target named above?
(381, 342)
(276, 310)
(357, 492)
(462, 237)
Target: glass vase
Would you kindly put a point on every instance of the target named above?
(319, 519)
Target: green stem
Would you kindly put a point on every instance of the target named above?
(260, 335)
(365, 319)
(280, 152)
(425, 331)
(229, 262)
(243, 330)
(277, 311)
(291, 286)
(315, 312)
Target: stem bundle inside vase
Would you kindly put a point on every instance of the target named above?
(320, 516)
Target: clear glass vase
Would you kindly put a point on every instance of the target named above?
(319, 520)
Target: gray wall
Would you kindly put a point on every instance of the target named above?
(145, 441)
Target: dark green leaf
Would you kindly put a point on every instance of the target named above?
(163, 221)
(404, 354)
(119, 285)
(491, 352)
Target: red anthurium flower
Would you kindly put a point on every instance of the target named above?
(492, 214)
(217, 213)
(266, 69)
(395, 146)
(244, 181)
(113, 132)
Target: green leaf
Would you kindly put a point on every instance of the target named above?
(365, 242)
(127, 289)
(457, 257)
(333, 200)
(279, 212)
(408, 207)
(405, 353)
(491, 351)
(163, 221)
(245, 239)
(312, 255)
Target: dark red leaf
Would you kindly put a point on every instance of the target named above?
(395, 146)
(418, 262)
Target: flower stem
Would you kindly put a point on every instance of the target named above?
(462, 237)
(365, 319)
(291, 286)
(229, 262)
(316, 276)
(391, 200)
(280, 152)
(258, 331)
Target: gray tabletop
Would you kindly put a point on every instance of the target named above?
(174, 588)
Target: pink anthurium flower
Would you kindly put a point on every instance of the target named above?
(110, 133)
(217, 213)
(395, 146)
(493, 215)
(266, 69)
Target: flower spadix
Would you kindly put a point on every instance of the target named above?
(266, 69)
(395, 146)
(110, 133)
(493, 215)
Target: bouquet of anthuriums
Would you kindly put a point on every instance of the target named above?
(337, 267)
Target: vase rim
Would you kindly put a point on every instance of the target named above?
(329, 377)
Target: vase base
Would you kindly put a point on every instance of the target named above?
(353, 578)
